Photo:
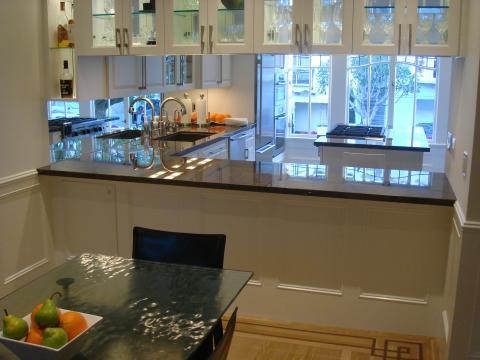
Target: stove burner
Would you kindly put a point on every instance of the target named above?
(71, 127)
(357, 132)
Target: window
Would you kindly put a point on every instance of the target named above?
(63, 109)
(395, 92)
(141, 108)
(308, 89)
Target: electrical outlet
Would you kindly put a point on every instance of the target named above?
(450, 141)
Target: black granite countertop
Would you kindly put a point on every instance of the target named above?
(395, 140)
(109, 160)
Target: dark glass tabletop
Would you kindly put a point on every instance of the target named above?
(150, 310)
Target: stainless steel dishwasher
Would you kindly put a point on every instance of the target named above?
(242, 146)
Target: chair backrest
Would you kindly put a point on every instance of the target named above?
(223, 347)
(206, 250)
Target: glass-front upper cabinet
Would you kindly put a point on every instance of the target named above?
(278, 26)
(407, 27)
(230, 26)
(98, 27)
(178, 72)
(143, 27)
(435, 26)
(327, 26)
(186, 22)
(209, 26)
(379, 27)
(119, 27)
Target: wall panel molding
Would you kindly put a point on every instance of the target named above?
(390, 298)
(462, 219)
(24, 271)
(18, 177)
(309, 289)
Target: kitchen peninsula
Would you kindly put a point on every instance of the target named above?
(354, 236)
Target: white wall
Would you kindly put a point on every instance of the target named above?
(237, 100)
(25, 239)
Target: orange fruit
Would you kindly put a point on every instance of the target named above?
(213, 117)
(228, 116)
(35, 335)
(194, 117)
(73, 323)
(34, 312)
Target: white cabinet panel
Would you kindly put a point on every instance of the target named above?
(213, 71)
(154, 73)
(124, 76)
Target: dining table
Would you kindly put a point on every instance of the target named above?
(150, 310)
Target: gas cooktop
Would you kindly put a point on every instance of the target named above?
(357, 132)
(76, 126)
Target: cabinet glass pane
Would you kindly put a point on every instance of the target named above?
(144, 26)
(103, 23)
(186, 69)
(378, 22)
(186, 21)
(231, 21)
(432, 22)
(327, 21)
(170, 65)
(278, 21)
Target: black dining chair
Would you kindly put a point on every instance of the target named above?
(223, 346)
(205, 250)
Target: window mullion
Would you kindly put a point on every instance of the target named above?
(391, 92)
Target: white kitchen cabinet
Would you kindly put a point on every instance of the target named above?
(178, 73)
(303, 26)
(407, 27)
(134, 75)
(119, 27)
(213, 71)
(208, 27)
(217, 150)
(242, 146)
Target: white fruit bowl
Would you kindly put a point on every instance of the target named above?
(24, 350)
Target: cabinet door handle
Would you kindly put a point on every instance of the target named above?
(220, 69)
(202, 41)
(298, 41)
(410, 30)
(246, 154)
(144, 74)
(305, 34)
(118, 41)
(210, 37)
(399, 37)
(125, 38)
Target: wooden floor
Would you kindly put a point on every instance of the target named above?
(263, 339)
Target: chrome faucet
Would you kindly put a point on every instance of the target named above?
(162, 106)
(149, 102)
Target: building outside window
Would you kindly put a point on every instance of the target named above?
(396, 92)
(63, 109)
(308, 89)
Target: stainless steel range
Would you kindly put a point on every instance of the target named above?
(357, 132)
(72, 127)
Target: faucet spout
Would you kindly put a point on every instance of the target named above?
(149, 102)
(177, 100)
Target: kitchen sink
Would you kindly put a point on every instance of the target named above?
(186, 136)
(126, 135)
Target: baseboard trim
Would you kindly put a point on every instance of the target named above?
(255, 283)
(24, 271)
(446, 326)
(308, 289)
(464, 223)
(390, 298)
(18, 177)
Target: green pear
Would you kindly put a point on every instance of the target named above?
(14, 327)
(54, 337)
(47, 316)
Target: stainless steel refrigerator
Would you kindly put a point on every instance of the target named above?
(270, 107)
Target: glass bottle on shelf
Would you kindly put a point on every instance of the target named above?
(278, 20)
(379, 21)
(186, 21)
(432, 22)
(103, 23)
(231, 21)
(66, 82)
(144, 23)
(328, 21)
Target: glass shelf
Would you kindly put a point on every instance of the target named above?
(179, 12)
(231, 10)
(102, 15)
(433, 7)
(144, 12)
(379, 7)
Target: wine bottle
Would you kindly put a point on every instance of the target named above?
(66, 82)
